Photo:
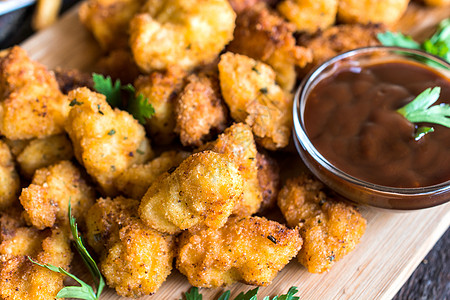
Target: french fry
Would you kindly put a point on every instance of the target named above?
(45, 14)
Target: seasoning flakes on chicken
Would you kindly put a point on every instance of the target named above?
(330, 229)
(251, 250)
(202, 191)
(9, 179)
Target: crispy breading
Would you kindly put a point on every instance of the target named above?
(161, 89)
(199, 109)
(240, 5)
(238, 144)
(71, 79)
(21, 279)
(9, 179)
(136, 180)
(249, 89)
(106, 141)
(108, 20)
(118, 64)
(263, 35)
(269, 180)
(382, 11)
(31, 104)
(330, 228)
(202, 191)
(46, 199)
(251, 250)
(185, 33)
(40, 153)
(309, 15)
(338, 39)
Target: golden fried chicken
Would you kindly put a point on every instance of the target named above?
(118, 64)
(46, 199)
(251, 250)
(184, 33)
(31, 104)
(202, 191)
(72, 79)
(21, 279)
(161, 89)
(382, 11)
(251, 93)
(238, 144)
(108, 20)
(136, 180)
(40, 153)
(330, 229)
(437, 2)
(135, 259)
(309, 15)
(106, 141)
(199, 109)
(240, 5)
(9, 179)
(263, 35)
(269, 180)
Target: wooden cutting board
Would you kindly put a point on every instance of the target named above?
(392, 247)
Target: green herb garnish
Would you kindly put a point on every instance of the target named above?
(139, 106)
(193, 294)
(420, 110)
(84, 291)
(75, 102)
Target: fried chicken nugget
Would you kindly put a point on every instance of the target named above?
(9, 179)
(250, 91)
(240, 5)
(437, 2)
(135, 259)
(309, 15)
(70, 79)
(251, 250)
(269, 180)
(136, 180)
(238, 144)
(161, 90)
(106, 141)
(40, 153)
(199, 109)
(330, 229)
(119, 65)
(263, 35)
(185, 33)
(369, 11)
(21, 279)
(46, 199)
(108, 20)
(202, 191)
(31, 104)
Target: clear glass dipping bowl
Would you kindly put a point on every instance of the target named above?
(348, 186)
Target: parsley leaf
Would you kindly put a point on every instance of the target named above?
(139, 106)
(104, 86)
(193, 294)
(249, 295)
(397, 39)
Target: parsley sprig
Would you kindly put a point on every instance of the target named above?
(193, 294)
(84, 291)
(420, 110)
(138, 106)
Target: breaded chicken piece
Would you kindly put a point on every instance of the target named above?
(72, 79)
(161, 90)
(263, 35)
(330, 229)
(118, 64)
(202, 191)
(135, 259)
(31, 104)
(240, 5)
(9, 179)
(338, 39)
(136, 180)
(249, 89)
(199, 109)
(106, 141)
(16, 146)
(309, 15)
(387, 12)
(108, 20)
(40, 153)
(251, 250)
(21, 279)
(269, 180)
(238, 144)
(184, 33)
(46, 199)
(437, 2)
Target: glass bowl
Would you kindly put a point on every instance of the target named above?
(352, 188)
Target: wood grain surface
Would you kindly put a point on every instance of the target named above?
(391, 249)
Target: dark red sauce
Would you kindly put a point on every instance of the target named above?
(351, 119)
